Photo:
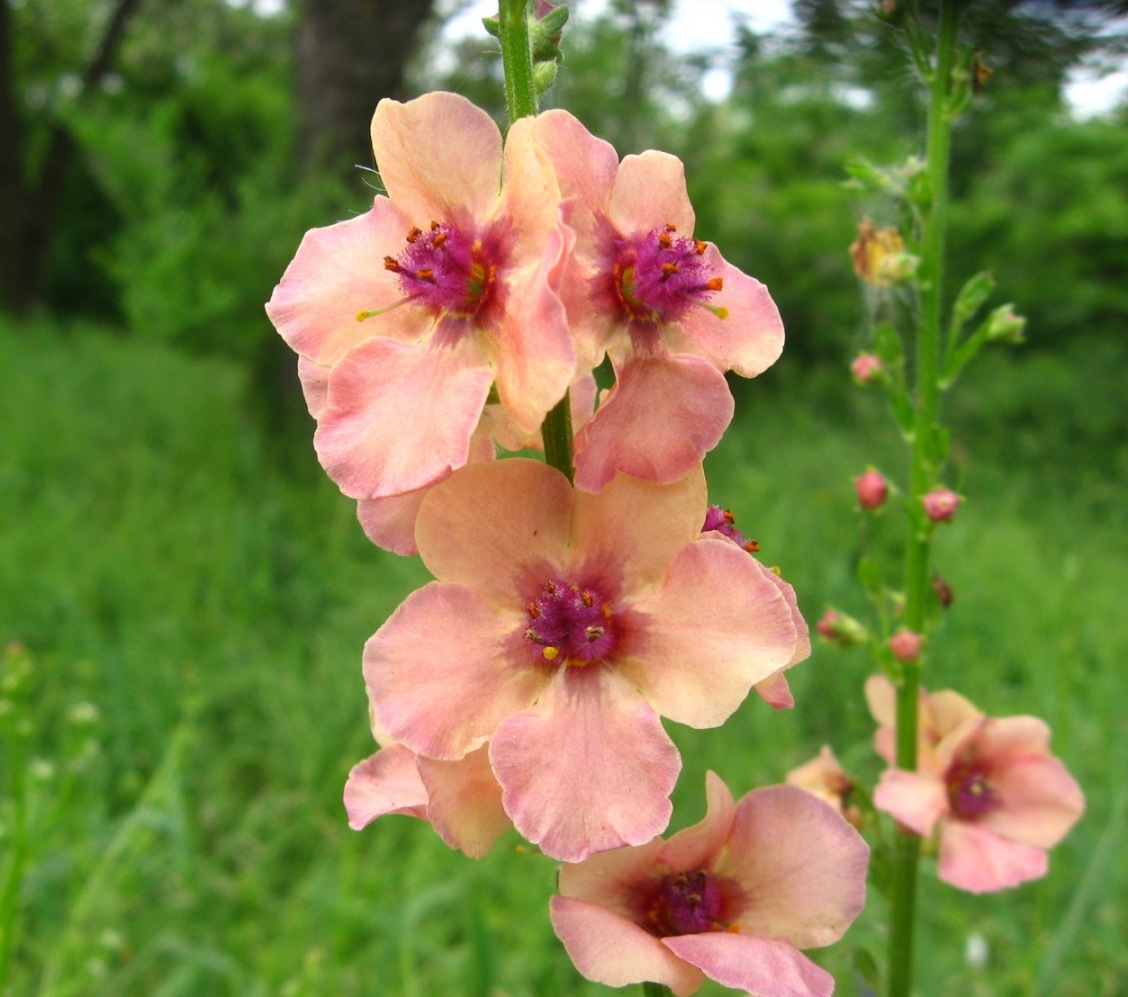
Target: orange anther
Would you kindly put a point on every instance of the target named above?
(390, 263)
(715, 283)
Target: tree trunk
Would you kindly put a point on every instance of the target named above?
(350, 53)
(29, 205)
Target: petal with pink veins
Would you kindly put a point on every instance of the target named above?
(615, 952)
(588, 768)
(766, 967)
(973, 858)
(661, 418)
(803, 886)
(445, 670)
(714, 629)
(400, 415)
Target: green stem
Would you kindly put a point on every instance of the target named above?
(922, 476)
(521, 100)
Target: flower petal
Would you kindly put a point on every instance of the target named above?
(608, 949)
(1039, 801)
(697, 846)
(619, 878)
(636, 527)
(439, 157)
(337, 272)
(400, 415)
(650, 193)
(915, 799)
(586, 769)
(715, 628)
(973, 858)
(465, 802)
(385, 783)
(658, 422)
(443, 673)
(800, 864)
(489, 525)
(750, 338)
(390, 522)
(764, 967)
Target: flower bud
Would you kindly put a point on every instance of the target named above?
(840, 629)
(905, 645)
(1004, 326)
(940, 504)
(872, 489)
(867, 370)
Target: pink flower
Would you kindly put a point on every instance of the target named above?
(939, 713)
(871, 489)
(940, 504)
(906, 644)
(460, 799)
(732, 898)
(667, 308)
(562, 625)
(987, 786)
(405, 316)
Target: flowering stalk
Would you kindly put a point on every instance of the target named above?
(926, 454)
(520, 101)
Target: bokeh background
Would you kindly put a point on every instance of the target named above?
(190, 595)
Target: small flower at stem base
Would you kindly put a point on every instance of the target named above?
(940, 504)
(872, 489)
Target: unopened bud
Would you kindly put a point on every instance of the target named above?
(905, 645)
(840, 629)
(940, 504)
(868, 370)
(872, 489)
(1004, 326)
(944, 593)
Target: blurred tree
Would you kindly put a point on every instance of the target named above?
(349, 54)
(34, 167)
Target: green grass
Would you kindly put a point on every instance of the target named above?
(189, 838)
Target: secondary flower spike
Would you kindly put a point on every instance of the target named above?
(990, 789)
(561, 626)
(732, 898)
(405, 316)
(666, 307)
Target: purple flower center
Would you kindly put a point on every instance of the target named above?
(724, 522)
(686, 903)
(969, 793)
(570, 624)
(446, 269)
(660, 275)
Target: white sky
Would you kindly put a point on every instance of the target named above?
(698, 25)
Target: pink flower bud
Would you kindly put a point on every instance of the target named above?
(867, 369)
(940, 504)
(872, 489)
(840, 629)
(905, 645)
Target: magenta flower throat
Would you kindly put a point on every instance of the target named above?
(570, 624)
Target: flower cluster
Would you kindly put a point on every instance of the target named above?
(572, 608)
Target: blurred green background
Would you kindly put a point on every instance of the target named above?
(193, 594)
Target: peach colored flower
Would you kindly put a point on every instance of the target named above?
(561, 626)
(825, 777)
(732, 898)
(406, 316)
(990, 790)
(666, 307)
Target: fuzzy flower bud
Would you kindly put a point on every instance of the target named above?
(940, 504)
(905, 645)
(872, 489)
(1004, 326)
(879, 255)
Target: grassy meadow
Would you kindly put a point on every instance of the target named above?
(194, 599)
